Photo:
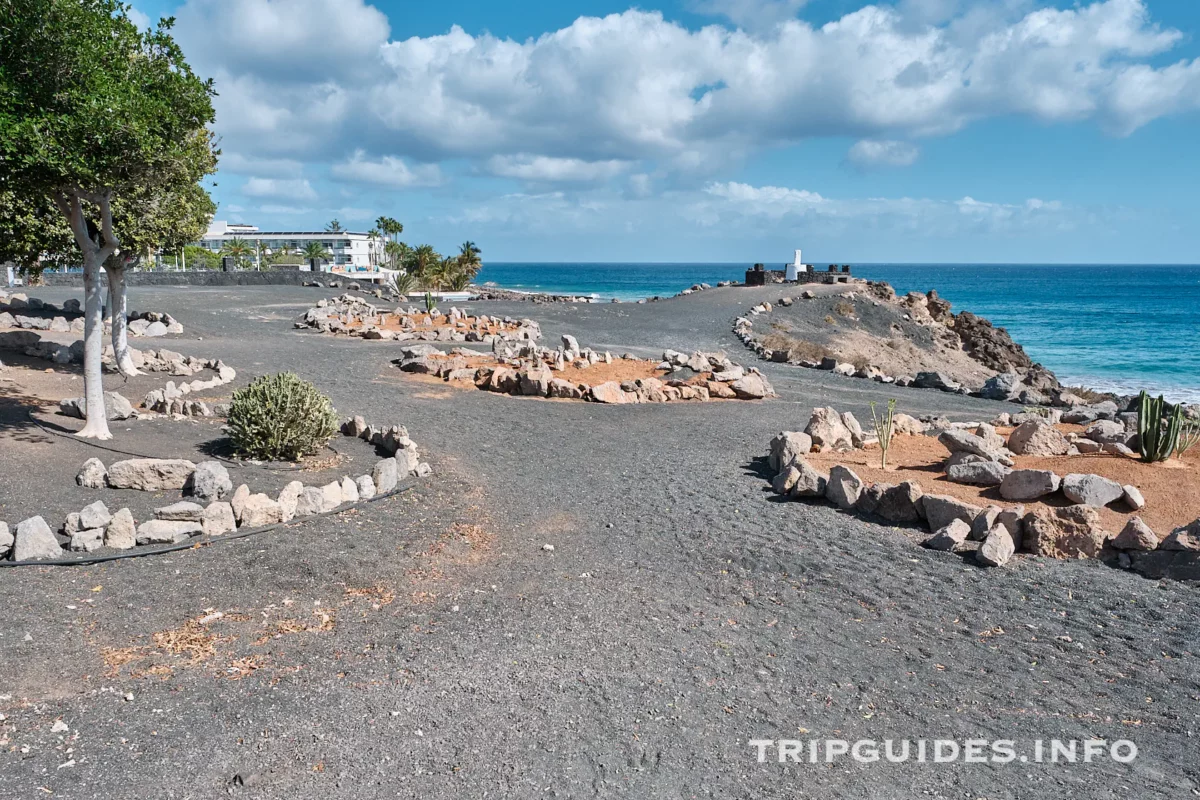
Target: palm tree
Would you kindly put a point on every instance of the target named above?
(333, 227)
(389, 227)
(423, 263)
(402, 284)
(239, 249)
(459, 281)
(397, 253)
(316, 250)
(469, 260)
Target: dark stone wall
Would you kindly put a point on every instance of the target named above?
(273, 277)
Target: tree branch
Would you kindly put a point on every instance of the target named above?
(106, 227)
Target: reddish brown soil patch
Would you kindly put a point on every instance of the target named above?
(621, 369)
(423, 322)
(1172, 489)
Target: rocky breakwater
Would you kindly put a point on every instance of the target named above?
(208, 504)
(573, 373)
(915, 340)
(352, 316)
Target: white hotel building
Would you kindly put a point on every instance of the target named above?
(351, 251)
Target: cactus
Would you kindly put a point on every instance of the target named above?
(430, 304)
(1189, 436)
(884, 429)
(1159, 424)
(280, 417)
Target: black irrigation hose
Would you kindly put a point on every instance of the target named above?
(106, 448)
(192, 543)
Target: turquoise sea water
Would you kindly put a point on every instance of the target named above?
(1111, 327)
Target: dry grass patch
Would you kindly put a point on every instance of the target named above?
(797, 349)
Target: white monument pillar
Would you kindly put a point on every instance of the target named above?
(793, 269)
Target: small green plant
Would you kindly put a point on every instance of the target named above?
(1159, 424)
(403, 283)
(430, 304)
(884, 429)
(1189, 436)
(1039, 411)
(280, 418)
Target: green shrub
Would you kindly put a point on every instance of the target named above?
(280, 418)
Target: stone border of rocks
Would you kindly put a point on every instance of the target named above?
(1006, 386)
(1069, 532)
(352, 316)
(33, 542)
(527, 369)
(171, 399)
(54, 318)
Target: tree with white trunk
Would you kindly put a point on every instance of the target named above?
(107, 125)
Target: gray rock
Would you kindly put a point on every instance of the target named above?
(163, 531)
(1136, 535)
(121, 533)
(116, 407)
(259, 510)
(752, 386)
(1038, 438)
(366, 487)
(857, 437)
(34, 540)
(1117, 449)
(1028, 484)
(6, 539)
(218, 519)
(150, 474)
(960, 441)
(210, 481)
(93, 475)
(997, 548)
(423, 469)
(987, 473)
(1091, 490)
(331, 495)
(1133, 497)
(786, 479)
(787, 446)
(949, 536)
(1070, 532)
(1087, 447)
(810, 482)
(94, 516)
(310, 501)
(238, 501)
(940, 510)
(1186, 538)
(86, 541)
(289, 496)
(828, 431)
(983, 522)
(386, 475)
(843, 487)
(901, 504)
(181, 511)
(349, 490)
(1005, 386)
(1107, 431)
(936, 380)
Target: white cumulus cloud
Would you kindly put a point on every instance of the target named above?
(297, 189)
(549, 169)
(387, 171)
(868, 153)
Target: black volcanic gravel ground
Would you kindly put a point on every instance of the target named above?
(427, 646)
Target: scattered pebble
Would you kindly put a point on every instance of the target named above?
(549, 548)
(59, 727)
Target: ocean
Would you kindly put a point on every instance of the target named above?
(1109, 327)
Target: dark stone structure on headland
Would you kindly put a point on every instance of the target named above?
(758, 275)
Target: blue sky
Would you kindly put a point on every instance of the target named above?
(715, 130)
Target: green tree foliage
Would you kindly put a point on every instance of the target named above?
(101, 121)
(239, 249)
(317, 250)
